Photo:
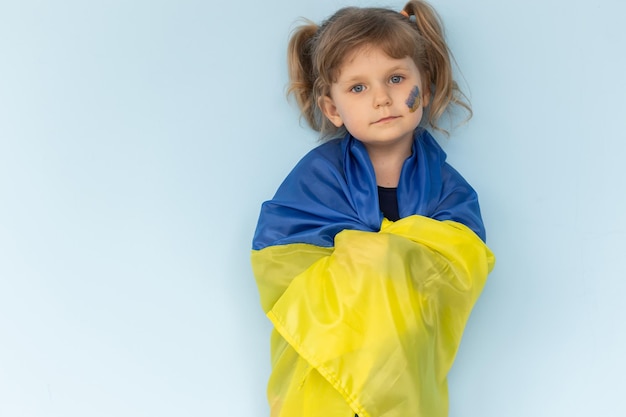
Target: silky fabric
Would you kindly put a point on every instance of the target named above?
(368, 314)
(334, 188)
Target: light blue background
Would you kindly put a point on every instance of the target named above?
(139, 138)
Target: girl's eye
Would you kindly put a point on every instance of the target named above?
(357, 89)
(395, 79)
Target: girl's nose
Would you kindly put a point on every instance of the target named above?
(382, 98)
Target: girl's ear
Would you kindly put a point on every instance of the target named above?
(330, 110)
(426, 92)
(426, 97)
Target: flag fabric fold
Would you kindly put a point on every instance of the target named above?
(368, 314)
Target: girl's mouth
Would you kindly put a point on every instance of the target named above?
(386, 119)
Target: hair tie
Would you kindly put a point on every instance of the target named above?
(404, 13)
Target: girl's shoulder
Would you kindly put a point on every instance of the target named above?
(427, 142)
(327, 154)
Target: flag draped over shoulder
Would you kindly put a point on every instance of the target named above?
(368, 314)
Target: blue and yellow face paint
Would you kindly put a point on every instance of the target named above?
(415, 99)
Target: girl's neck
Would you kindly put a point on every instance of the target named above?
(388, 162)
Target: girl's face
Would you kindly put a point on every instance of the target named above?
(379, 99)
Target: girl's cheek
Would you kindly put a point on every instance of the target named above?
(414, 100)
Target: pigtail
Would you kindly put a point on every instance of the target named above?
(301, 72)
(438, 62)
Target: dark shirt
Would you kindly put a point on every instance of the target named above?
(388, 202)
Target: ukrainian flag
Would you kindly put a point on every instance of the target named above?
(368, 314)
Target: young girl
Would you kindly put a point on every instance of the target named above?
(371, 255)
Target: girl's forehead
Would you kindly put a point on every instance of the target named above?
(371, 58)
(370, 52)
(363, 50)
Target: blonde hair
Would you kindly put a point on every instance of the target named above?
(316, 54)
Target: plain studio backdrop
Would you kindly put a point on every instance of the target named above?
(139, 138)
